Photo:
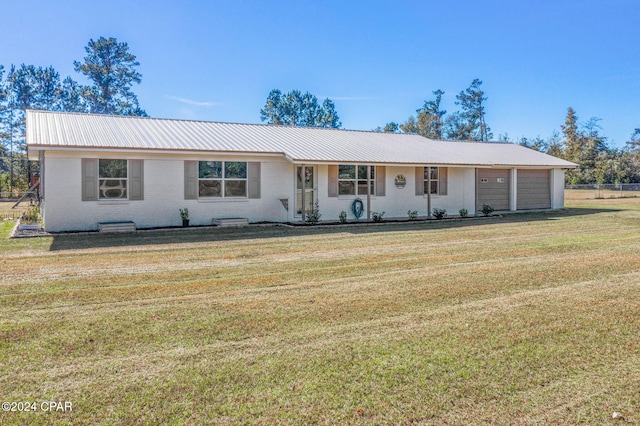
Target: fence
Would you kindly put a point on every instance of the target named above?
(10, 214)
(14, 195)
(8, 200)
(603, 190)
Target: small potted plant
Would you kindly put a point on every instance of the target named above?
(184, 214)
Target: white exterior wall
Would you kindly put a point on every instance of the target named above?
(557, 189)
(64, 209)
(397, 201)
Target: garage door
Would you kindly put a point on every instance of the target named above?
(493, 188)
(534, 190)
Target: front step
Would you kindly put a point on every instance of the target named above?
(230, 221)
(116, 227)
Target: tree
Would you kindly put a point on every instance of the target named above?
(584, 145)
(634, 141)
(298, 109)
(430, 117)
(26, 87)
(390, 127)
(31, 87)
(571, 136)
(556, 147)
(537, 143)
(328, 115)
(428, 122)
(504, 138)
(71, 99)
(470, 122)
(456, 128)
(410, 126)
(112, 70)
(4, 133)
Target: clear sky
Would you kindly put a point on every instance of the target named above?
(377, 60)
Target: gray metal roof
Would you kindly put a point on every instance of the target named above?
(54, 130)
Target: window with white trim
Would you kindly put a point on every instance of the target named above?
(112, 179)
(352, 179)
(435, 180)
(222, 179)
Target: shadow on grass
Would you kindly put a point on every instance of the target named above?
(208, 234)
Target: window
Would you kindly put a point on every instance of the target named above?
(352, 180)
(435, 180)
(112, 179)
(222, 179)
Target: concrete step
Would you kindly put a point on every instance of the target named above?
(116, 227)
(230, 221)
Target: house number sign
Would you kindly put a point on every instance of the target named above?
(401, 181)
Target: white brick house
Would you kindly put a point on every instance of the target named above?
(98, 168)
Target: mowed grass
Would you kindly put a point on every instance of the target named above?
(522, 319)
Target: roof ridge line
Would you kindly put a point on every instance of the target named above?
(41, 111)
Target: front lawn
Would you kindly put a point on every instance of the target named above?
(525, 319)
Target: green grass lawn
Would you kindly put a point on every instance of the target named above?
(523, 319)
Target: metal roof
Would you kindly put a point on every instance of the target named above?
(55, 130)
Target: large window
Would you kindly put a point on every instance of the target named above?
(222, 179)
(435, 180)
(112, 179)
(352, 180)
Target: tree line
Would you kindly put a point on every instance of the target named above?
(579, 142)
(111, 71)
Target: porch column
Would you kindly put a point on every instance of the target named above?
(368, 192)
(304, 188)
(513, 190)
(429, 191)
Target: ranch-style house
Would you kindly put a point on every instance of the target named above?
(100, 168)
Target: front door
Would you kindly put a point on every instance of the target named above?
(309, 189)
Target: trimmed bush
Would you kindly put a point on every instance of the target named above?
(486, 210)
(342, 217)
(377, 217)
(439, 213)
(313, 215)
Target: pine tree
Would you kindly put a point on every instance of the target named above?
(571, 137)
(471, 123)
(299, 109)
(112, 70)
(430, 117)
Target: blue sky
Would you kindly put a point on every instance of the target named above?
(378, 60)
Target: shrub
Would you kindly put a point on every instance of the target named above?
(413, 214)
(32, 215)
(313, 216)
(343, 217)
(377, 217)
(486, 210)
(439, 213)
(463, 212)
